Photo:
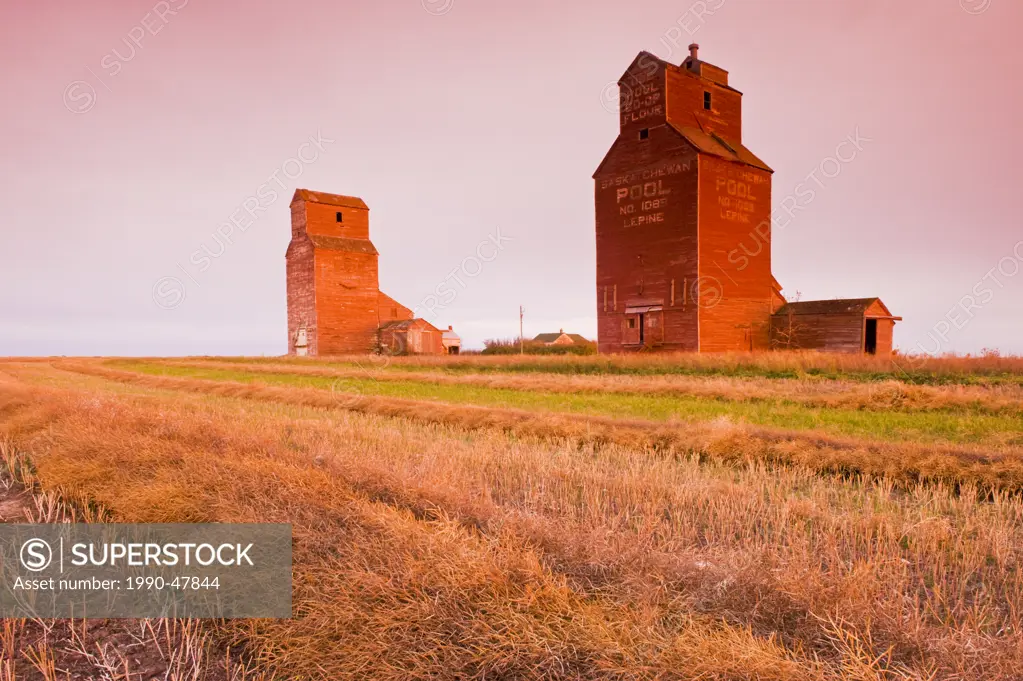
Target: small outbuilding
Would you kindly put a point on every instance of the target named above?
(452, 341)
(851, 325)
(561, 338)
(411, 337)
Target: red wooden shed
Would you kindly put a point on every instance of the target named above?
(853, 325)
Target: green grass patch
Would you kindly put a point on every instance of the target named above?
(903, 371)
(929, 427)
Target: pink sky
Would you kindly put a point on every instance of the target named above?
(458, 120)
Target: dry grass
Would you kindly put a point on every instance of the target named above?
(430, 551)
(380, 591)
(719, 440)
(113, 650)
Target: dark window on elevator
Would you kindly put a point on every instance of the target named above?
(339, 217)
(644, 133)
(706, 101)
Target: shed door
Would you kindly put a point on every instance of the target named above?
(870, 339)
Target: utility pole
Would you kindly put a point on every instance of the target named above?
(522, 312)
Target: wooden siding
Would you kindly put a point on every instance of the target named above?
(641, 94)
(322, 219)
(346, 302)
(885, 333)
(425, 341)
(391, 310)
(684, 99)
(736, 283)
(646, 212)
(301, 291)
(827, 332)
(876, 309)
(885, 328)
(417, 338)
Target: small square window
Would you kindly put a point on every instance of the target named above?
(644, 133)
(706, 101)
(632, 322)
(339, 216)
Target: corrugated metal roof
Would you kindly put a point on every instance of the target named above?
(838, 306)
(337, 243)
(329, 199)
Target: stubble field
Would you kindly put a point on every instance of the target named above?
(739, 517)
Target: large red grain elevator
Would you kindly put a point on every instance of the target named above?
(335, 305)
(675, 196)
(683, 219)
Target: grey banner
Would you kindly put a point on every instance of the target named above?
(160, 570)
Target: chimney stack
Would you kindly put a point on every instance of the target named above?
(693, 50)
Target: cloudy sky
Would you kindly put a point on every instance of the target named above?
(136, 131)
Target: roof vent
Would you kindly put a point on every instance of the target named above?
(693, 51)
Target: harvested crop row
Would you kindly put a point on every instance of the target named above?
(727, 442)
(96, 648)
(985, 432)
(824, 393)
(813, 567)
(380, 592)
